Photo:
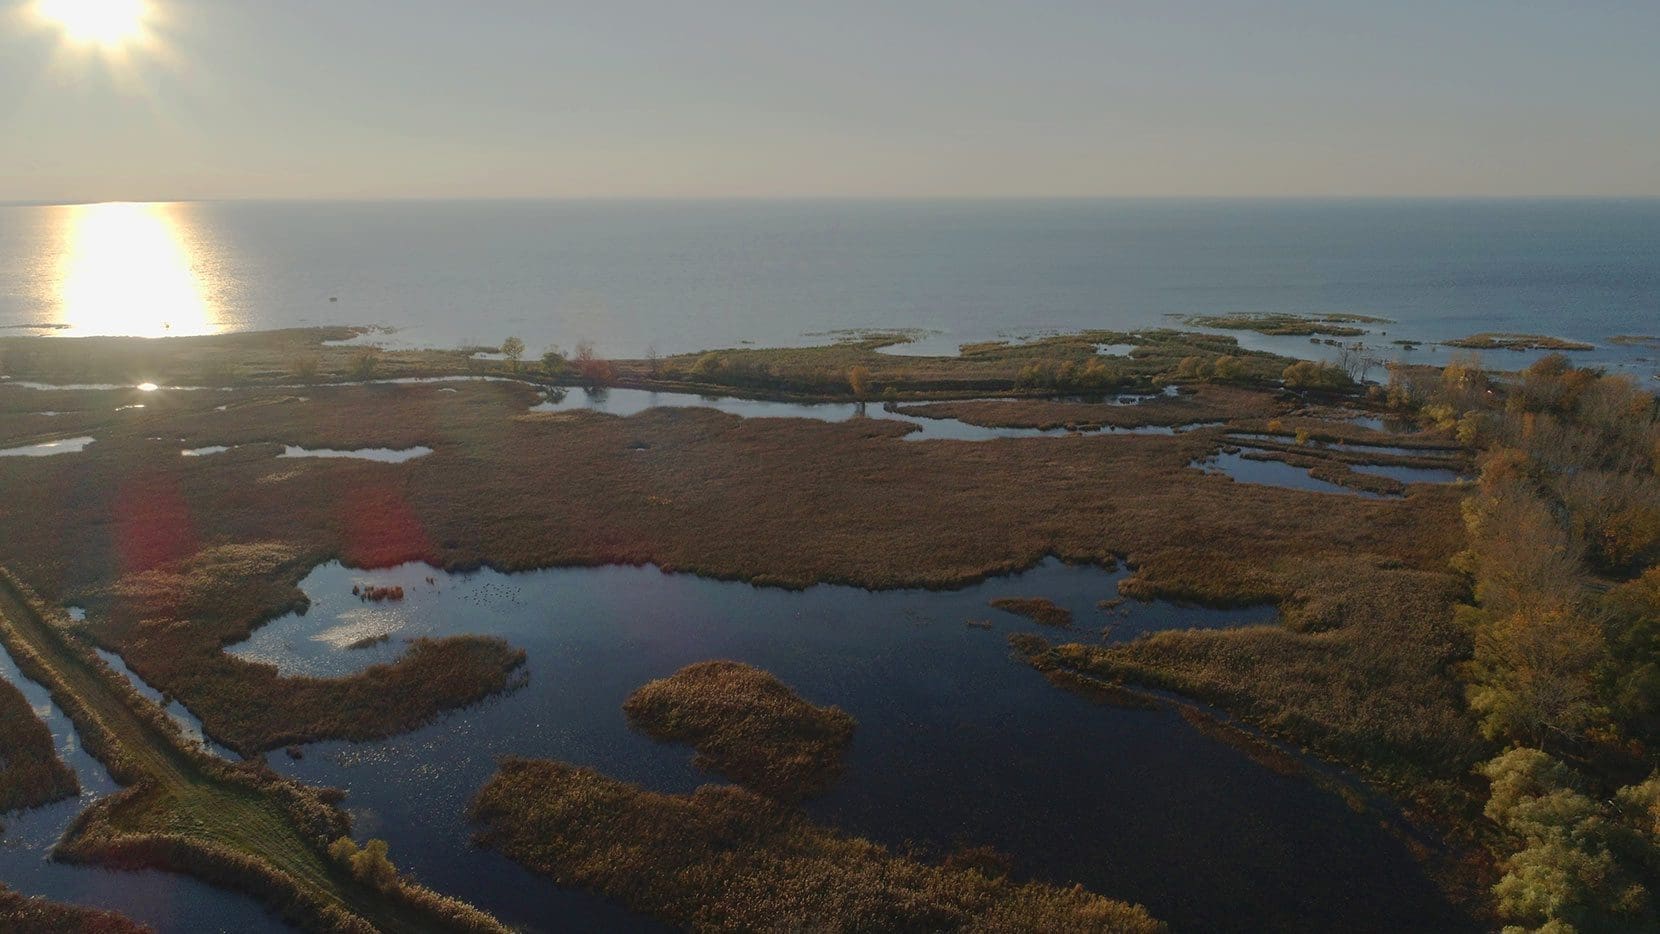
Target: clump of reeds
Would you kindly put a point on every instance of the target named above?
(1036, 609)
(746, 725)
(724, 858)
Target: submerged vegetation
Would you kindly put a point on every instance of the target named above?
(1036, 609)
(723, 858)
(746, 725)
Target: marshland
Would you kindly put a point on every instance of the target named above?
(1180, 628)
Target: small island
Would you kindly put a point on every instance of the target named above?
(746, 725)
(724, 858)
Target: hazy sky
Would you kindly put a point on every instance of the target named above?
(440, 98)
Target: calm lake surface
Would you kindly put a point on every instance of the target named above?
(958, 742)
(692, 275)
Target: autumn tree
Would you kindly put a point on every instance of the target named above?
(858, 379)
(593, 370)
(513, 349)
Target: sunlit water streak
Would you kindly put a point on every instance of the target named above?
(129, 269)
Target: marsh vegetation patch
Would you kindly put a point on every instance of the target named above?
(747, 725)
(724, 858)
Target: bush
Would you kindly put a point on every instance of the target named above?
(1307, 374)
(365, 363)
(591, 369)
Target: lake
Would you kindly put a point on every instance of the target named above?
(682, 276)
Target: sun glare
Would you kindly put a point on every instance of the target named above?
(129, 269)
(104, 23)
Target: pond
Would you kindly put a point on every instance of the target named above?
(384, 455)
(1274, 473)
(49, 448)
(958, 741)
(633, 401)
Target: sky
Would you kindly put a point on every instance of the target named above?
(901, 98)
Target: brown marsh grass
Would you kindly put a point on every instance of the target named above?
(723, 858)
(21, 914)
(746, 725)
(31, 773)
(1036, 609)
(176, 557)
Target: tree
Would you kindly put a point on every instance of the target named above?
(1564, 871)
(1307, 374)
(594, 370)
(554, 362)
(1536, 675)
(858, 379)
(513, 349)
(371, 865)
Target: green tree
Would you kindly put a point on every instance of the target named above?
(513, 349)
(1563, 870)
(554, 362)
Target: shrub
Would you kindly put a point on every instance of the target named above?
(364, 364)
(593, 370)
(1307, 374)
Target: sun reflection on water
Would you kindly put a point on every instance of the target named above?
(129, 269)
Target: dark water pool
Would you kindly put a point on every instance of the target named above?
(958, 742)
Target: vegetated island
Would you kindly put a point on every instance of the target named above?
(725, 858)
(1635, 340)
(746, 725)
(21, 914)
(1036, 609)
(1497, 340)
(1282, 324)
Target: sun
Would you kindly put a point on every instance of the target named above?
(105, 23)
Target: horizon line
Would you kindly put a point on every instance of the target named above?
(821, 199)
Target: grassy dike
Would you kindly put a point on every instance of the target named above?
(184, 811)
